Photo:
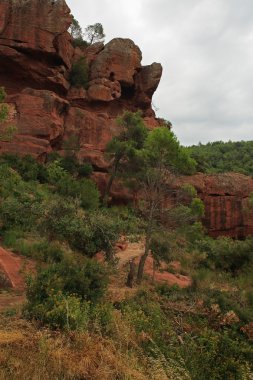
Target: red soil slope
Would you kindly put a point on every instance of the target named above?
(14, 268)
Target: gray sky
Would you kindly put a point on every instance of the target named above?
(206, 49)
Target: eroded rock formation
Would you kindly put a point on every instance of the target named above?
(225, 197)
(36, 55)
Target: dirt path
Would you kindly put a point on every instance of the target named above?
(130, 251)
(14, 268)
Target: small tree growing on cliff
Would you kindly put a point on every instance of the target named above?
(76, 32)
(8, 132)
(75, 29)
(122, 148)
(3, 107)
(94, 33)
(79, 75)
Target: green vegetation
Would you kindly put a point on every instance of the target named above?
(79, 74)
(9, 131)
(62, 295)
(94, 33)
(80, 321)
(123, 149)
(160, 158)
(77, 34)
(220, 157)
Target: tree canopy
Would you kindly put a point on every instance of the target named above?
(94, 33)
(220, 157)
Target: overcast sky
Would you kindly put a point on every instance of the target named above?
(206, 50)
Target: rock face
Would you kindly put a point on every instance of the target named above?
(225, 197)
(36, 56)
(35, 48)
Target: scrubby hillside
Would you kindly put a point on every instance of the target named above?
(80, 319)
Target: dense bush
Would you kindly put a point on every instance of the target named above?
(80, 42)
(58, 295)
(27, 167)
(79, 75)
(85, 190)
(227, 254)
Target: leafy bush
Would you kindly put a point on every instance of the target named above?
(80, 42)
(27, 167)
(59, 294)
(19, 212)
(227, 254)
(59, 214)
(85, 170)
(61, 311)
(79, 75)
(85, 190)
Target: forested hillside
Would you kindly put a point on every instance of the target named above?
(221, 157)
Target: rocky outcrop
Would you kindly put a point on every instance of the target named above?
(35, 47)
(225, 197)
(37, 54)
(39, 117)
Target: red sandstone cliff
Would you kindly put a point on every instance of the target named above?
(226, 203)
(36, 55)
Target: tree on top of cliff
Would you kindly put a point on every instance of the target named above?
(77, 33)
(94, 33)
(75, 29)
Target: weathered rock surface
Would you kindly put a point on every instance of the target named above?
(146, 82)
(119, 60)
(36, 55)
(39, 118)
(35, 47)
(226, 203)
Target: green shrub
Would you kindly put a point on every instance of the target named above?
(85, 170)
(58, 217)
(61, 311)
(70, 164)
(102, 317)
(227, 254)
(87, 280)
(79, 75)
(55, 172)
(80, 42)
(85, 190)
(216, 356)
(27, 167)
(9, 238)
(21, 212)
(61, 295)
